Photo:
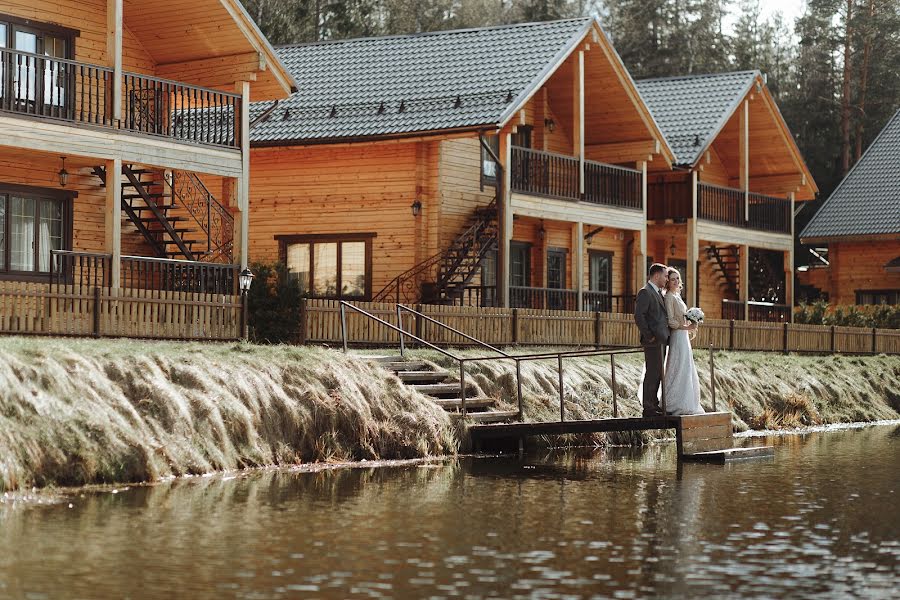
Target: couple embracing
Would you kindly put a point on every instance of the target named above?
(659, 313)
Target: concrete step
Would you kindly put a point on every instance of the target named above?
(471, 403)
(493, 416)
(422, 376)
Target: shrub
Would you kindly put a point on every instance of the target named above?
(818, 313)
(274, 305)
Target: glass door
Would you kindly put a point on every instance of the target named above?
(556, 279)
(599, 281)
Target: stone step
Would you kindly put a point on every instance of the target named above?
(422, 376)
(493, 416)
(471, 403)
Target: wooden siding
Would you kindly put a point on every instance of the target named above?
(334, 190)
(860, 266)
(458, 186)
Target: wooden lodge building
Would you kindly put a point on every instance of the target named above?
(124, 164)
(724, 215)
(497, 166)
(860, 224)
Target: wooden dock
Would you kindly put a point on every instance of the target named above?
(707, 437)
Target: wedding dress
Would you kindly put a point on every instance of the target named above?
(682, 384)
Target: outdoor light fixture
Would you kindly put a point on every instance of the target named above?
(416, 208)
(550, 124)
(542, 233)
(590, 235)
(63, 174)
(672, 247)
(245, 279)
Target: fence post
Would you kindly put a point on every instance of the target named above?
(96, 311)
(712, 378)
(304, 327)
(562, 403)
(612, 366)
(419, 323)
(731, 335)
(832, 340)
(515, 326)
(598, 331)
(874, 340)
(519, 389)
(785, 337)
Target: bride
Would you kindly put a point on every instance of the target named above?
(682, 385)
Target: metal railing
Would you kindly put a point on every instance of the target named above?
(770, 214)
(546, 298)
(756, 311)
(610, 185)
(213, 218)
(610, 303)
(36, 84)
(518, 359)
(720, 204)
(544, 174)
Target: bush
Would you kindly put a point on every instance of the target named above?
(274, 305)
(882, 316)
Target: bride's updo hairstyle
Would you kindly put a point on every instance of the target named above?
(669, 272)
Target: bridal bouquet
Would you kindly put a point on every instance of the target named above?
(694, 315)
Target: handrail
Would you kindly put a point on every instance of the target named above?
(402, 307)
(65, 61)
(517, 359)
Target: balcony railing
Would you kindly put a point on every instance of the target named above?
(557, 176)
(545, 298)
(726, 205)
(610, 185)
(758, 311)
(58, 88)
(603, 302)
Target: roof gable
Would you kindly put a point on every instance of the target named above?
(691, 110)
(415, 83)
(867, 201)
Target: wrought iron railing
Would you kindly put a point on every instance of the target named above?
(36, 84)
(770, 214)
(213, 218)
(727, 205)
(611, 303)
(610, 185)
(544, 174)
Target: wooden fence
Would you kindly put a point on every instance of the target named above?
(321, 324)
(33, 309)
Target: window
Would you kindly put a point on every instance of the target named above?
(31, 77)
(891, 297)
(599, 281)
(520, 264)
(330, 266)
(488, 166)
(33, 222)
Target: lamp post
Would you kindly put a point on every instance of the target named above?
(245, 280)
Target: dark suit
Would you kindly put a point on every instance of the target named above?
(650, 317)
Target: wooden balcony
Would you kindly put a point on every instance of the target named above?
(558, 176)
(727, 206)
(82, 93)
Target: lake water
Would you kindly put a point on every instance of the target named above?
(820, 520)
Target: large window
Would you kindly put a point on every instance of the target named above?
(31, 76)
(488, 166)
(33, 222)
(330, 266)
(891, 297)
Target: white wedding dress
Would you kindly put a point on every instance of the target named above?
(682, 384)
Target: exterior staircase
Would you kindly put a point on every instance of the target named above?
(727, 265)
(446, 394)
(445, 275)
(175, 214)
(766, 281)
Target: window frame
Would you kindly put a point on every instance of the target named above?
(328, 238)
(878, 292)
(494, 143)
(65, 197)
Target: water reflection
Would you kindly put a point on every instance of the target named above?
(818, 520)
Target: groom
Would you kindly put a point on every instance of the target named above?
(650, 317)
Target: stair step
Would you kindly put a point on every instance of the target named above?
(493, 416)
(137, 196)
(423, 376)
(174, 219)
(437, 389)
(456, 403)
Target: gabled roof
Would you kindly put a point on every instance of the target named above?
(867, 201)
(692, 109)
(381, 87)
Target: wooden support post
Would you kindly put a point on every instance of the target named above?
(692, 285)
(96, 331)
(785, 350)
(789, 270)
(242, 239)
(712, 377)
(731, 335)
(113, 221)
(598, 331)
(640, 270)
(832, 339)
(874, 340)
(515, 326)
(562, 392)
(114, 34)
(304, 321)
(578, 118)
(505, 220)
(578, 263)
(612, 367)
(744, 152)
(744, 277)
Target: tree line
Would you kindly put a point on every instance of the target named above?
(835, 70)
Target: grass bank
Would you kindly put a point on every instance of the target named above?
(99, 411)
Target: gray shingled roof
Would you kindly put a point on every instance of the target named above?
(405, 84)
(867, 201)
(690, 110)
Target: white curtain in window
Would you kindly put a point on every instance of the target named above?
(21, 234)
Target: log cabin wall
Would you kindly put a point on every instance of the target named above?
(88, 208)
(364, 188)
(458, 184)
(860, 266)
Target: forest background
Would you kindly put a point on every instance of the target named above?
(834, 70)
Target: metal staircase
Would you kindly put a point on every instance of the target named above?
(727, 265)
(442, 278)
(176, 214)
(766, 281)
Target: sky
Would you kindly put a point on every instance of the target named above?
(790, 9)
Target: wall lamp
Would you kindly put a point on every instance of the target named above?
(550, 124)
(416, 208)
(63, 174)
(672, 247)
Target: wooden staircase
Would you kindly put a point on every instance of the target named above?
(149, 209)
(727, 265)
(447, 394)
